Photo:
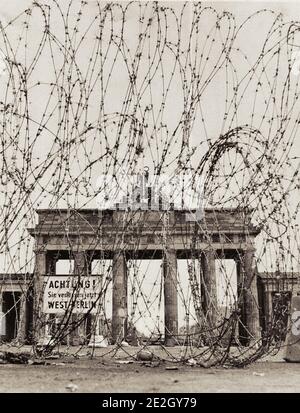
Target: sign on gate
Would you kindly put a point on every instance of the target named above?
(64, 293)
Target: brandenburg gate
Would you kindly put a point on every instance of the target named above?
(120, 235)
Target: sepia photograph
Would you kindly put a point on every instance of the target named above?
(149, 200)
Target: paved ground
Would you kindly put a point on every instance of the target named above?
(114, 375)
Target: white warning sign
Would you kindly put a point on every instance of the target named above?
(63, 293)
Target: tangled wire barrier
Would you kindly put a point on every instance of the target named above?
(93, 89)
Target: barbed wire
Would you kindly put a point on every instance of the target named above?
(91, 89)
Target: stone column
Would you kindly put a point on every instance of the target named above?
(267, 305)
(170, 297)
(21, 334)
(250, 296)
(38, 280)
(242, 331)
(209, 287)
(78, 334)
(119, 297)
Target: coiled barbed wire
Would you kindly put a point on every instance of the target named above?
(102, 88)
